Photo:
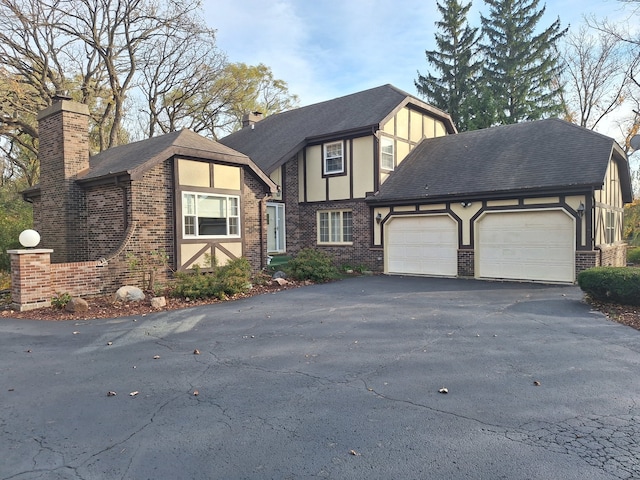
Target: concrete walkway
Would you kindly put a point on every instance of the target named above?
(333, 381)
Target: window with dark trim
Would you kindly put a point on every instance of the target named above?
(208, 215)
(333, 158)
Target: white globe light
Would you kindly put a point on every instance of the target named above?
(635, 142)
(29, 238)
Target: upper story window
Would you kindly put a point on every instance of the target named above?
(207, 215)
(387, 155)
(333, 158)
(610, 227)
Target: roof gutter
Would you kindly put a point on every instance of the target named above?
(478, 196)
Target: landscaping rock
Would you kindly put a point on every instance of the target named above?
(158, 302)
(281, 281)
(129, 294)
(279, 274)
(77, 305)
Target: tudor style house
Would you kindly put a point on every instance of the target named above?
(179, 193)
(327, 158)
(377, 178)
(380, 178)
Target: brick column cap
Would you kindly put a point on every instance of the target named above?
(64, 106)
(27, 251)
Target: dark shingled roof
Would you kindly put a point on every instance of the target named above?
(275, 139)
(545, 155)
(135, 158)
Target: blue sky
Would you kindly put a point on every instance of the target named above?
(328, 48)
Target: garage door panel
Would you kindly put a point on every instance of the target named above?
(422, 245)
(527, 246)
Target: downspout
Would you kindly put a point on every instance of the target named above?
(263, 245)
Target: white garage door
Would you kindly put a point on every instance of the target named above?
(422, 245)
(526, 246)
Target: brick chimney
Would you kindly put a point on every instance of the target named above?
(249, 119)
(63, 130)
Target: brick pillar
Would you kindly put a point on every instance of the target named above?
(63, 130)
(30, 278)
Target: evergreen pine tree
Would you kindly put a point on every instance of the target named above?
(456, 63)
(521, 63)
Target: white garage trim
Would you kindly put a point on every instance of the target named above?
(421, 245)
(531, 245)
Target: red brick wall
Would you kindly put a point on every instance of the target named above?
(360, 252)
(31, 279)
(254, 223)
(78, 279)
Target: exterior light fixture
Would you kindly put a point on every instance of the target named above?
(378, 218)
(29, 238)
(580, 210)
(466, 204)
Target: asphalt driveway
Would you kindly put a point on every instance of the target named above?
(333, 381)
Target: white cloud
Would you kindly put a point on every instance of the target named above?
(327, 48)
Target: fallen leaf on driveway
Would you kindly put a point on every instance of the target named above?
(444, 390)
(111, 394)
(536, 383)
(76, 333)
(353, 452)
(156, 357)
(133, 394)
(109, 343)
(196, 393)
(196, 352)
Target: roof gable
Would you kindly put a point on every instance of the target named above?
(136, 158)
(541, 155)
(275, 139)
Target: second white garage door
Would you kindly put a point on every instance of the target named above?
(421, 245)
(536, 245)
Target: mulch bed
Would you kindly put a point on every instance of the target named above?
(105, 307)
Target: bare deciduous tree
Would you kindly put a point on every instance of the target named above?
(596, 76)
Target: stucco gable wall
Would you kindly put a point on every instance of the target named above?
(609, 207)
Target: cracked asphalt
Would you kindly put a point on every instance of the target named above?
(336, 381)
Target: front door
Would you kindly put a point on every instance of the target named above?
(275, 228)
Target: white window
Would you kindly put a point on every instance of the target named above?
(207, 215)
(610, 227)
(387, 157)
(335, 226)
(333, 158)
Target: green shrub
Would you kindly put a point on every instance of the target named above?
(235, 276)
(230, 279)
(612, 284)
(633, 255)
(5, 280)
(60, 300)
(312, 265)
